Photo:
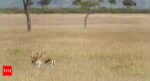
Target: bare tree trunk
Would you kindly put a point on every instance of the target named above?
(26, 10)
(85, 20)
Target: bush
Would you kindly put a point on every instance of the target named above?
(72, 10)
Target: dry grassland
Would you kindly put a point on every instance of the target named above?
(114, 47)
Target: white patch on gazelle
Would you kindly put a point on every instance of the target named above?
(38, 62)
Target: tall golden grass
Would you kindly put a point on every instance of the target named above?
(114, 47)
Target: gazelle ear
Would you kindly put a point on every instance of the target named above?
(43, 54)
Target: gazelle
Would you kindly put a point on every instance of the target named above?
(42, 59)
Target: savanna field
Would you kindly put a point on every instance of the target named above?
(114, 47)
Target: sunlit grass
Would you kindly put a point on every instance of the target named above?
(95, 54)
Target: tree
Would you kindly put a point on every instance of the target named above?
(112, 1)
(44, 3)
(26, 4)
(129, 3)
(86, 5)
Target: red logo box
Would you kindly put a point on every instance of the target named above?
(7, 70)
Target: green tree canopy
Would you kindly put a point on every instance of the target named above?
(112, 1)
(44, 3)
(129, 3)
(86, 4)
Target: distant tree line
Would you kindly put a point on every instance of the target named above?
(87, 5)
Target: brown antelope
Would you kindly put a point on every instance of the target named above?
(42, 59)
